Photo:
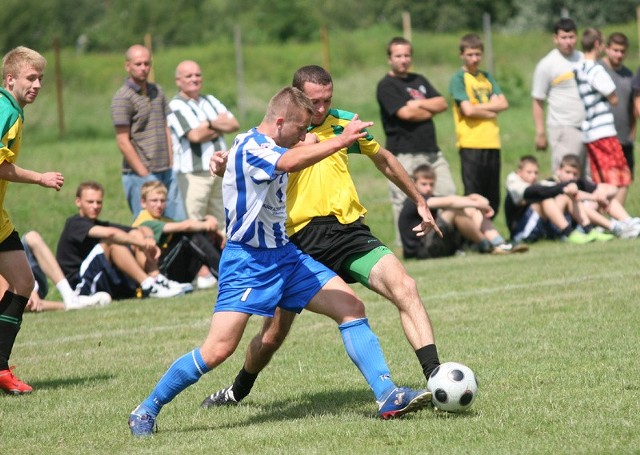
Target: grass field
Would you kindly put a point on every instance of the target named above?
(552, 337)
(552, 334)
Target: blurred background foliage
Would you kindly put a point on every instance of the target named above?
(112, 25)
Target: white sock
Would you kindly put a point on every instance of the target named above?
(66, 292)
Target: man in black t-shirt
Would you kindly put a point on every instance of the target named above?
(98, 255)
(408, 103)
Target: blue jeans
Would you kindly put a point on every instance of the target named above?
(132, 184)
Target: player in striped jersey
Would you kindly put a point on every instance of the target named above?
(326, 221)
(261, 270)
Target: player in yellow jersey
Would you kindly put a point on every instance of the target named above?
(22, 70)
(325, 220)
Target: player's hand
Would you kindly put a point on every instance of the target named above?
(354, 131)
(52, 180)
(428, 223)
(218, 163)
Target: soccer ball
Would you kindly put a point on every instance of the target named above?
(453, 386)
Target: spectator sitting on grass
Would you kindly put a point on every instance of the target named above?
(598, 200)
(44, 265)
(458, 217)
(189, 247)
(97, 255)
(544, 210)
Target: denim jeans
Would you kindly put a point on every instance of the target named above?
(132, 184)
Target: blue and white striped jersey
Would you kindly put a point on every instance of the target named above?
(254, 192)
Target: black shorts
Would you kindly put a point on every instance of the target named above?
(12, 243)
(481, 174)
(330, 242)
(97, 274)
(627, 149)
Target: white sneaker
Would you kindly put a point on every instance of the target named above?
(206, 282)
(84, 301)
(629, 229)
(164, 288)
(184, 287)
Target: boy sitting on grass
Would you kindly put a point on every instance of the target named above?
(189, 248)
(545, 210)
(598, 200)
(458, 217)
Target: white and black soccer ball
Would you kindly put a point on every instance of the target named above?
(453, 387)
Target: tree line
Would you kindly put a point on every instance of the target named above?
(108, 25)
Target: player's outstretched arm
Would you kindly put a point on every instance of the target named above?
(16, 174)
(304, 156)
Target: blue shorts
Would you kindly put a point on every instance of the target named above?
(38, 274)
(531, 228)
(97, 274)
(257, 280)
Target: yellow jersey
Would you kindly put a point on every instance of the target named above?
(326, 188)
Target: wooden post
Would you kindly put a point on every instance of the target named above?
(488, 42)
(237, 40)
(148, 45)
(58, 71)
(406, 25)
(326, 62)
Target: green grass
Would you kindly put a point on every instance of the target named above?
(552, 334)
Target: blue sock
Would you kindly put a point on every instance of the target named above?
(184, 372)
(364, 350)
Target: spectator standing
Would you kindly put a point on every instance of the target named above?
(138, 112)
(198, 123)
(555, 86)
(624, 116)
(597, 91)
(408, 102)
(478, 101)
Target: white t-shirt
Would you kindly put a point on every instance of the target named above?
(553, 81)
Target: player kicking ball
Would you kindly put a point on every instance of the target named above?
(261, 270)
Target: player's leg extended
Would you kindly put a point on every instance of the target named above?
(337, 300)
(388, 277)
(261, 349)
(225, 332)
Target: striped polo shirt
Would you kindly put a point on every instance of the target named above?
(145, 114)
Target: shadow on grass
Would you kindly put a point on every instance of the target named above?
(61, 383)
(306, 406)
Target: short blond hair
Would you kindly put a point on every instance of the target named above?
(152, 186)
(20, 57)
(288, 103)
